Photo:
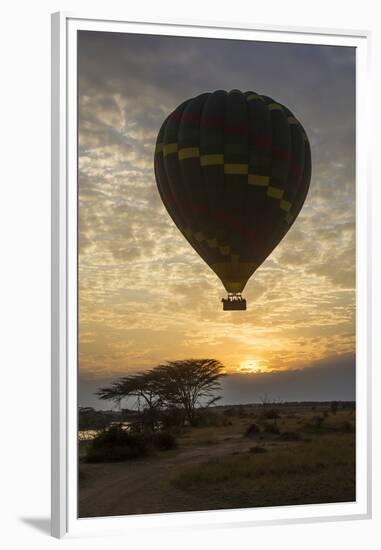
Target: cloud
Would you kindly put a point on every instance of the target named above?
(145, 295)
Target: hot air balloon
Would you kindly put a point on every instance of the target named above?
(233, 170)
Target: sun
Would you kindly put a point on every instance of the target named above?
(250, 366)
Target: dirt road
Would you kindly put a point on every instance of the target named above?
(143, 486)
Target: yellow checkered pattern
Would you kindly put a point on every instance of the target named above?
(230, 169)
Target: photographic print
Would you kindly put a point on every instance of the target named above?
(216, 274)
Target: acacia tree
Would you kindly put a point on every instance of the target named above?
(190, 383)
(185, 384)
(143, 387)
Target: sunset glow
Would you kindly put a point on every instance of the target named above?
(251, 366)
(145, 296)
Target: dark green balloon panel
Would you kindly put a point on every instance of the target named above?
(233, 170)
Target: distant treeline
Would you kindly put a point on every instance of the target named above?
(275, 403)
(93, 419)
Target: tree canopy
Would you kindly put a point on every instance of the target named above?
(186, 384)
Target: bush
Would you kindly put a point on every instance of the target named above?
(164, 441)
(315, 425)
(252, 430)
(116, 445)
(173, 417)
(237, 411)
(271, 414)
(271, 428)
(205, 418)
(149, 419)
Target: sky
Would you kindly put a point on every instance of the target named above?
(145, 296)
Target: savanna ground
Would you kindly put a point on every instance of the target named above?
(246, 457)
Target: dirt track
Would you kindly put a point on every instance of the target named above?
(142, 486)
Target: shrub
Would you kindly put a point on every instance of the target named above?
(205, 418)
(252, 430)
(116, 445)
(172, 417)
(315, 425)
(271, 428)
(149, 419)
(164, 441)
(271, 414)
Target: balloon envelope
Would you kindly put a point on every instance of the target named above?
(233, 170)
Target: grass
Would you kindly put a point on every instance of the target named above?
(322, 470)
(302, 456)
(200, 436)
(257, 449)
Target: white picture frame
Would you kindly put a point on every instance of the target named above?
(64, 277)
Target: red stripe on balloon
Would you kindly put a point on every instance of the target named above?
(237, 130)
(216, 121)
(263, 141)
(280, 154)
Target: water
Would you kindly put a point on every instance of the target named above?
(88, 435)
